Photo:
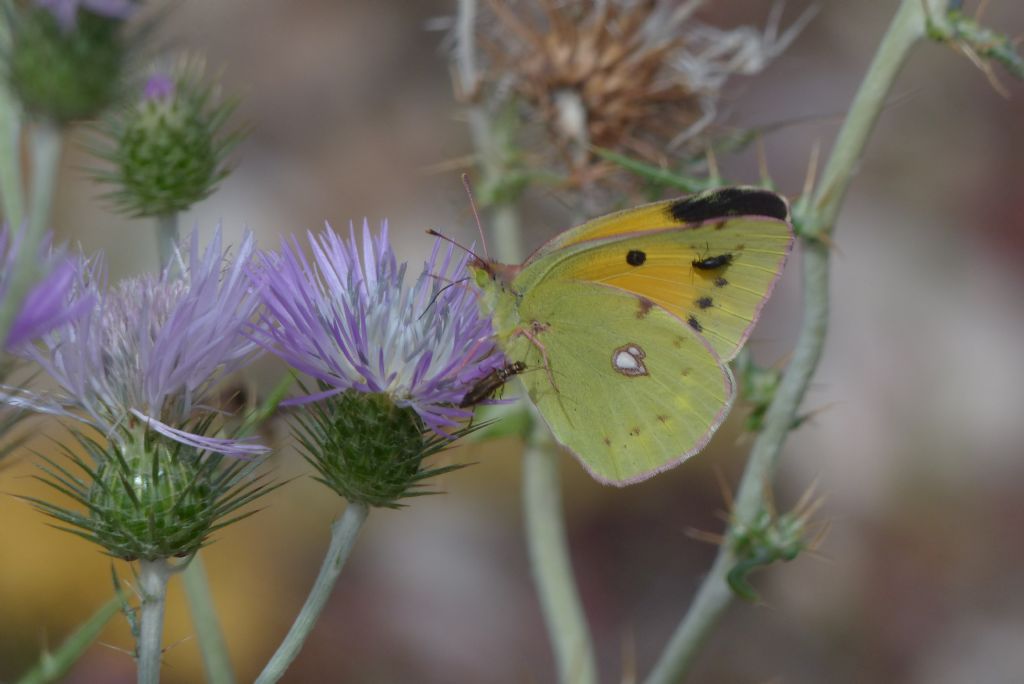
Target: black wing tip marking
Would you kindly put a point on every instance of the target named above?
(726, 202)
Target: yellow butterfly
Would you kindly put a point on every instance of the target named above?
(633, 317)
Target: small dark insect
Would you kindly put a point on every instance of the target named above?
(712, 262)
(491, 383)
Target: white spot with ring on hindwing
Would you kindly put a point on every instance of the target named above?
(628, 360)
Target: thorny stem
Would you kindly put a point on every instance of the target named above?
(52, 667)
(714, 595)
(545, 527)
(343, 536)
(153, 576)
(44, 152)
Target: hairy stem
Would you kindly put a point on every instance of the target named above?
(216, 662)
(343, 536)
(153, 576)
(817, 218)
(549, 559)
(44, 152)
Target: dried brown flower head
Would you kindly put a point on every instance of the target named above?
(642, 77)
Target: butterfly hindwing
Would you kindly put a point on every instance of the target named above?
(628, 387)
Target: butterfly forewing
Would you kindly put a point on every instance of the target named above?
(715, 276)
(702, 207)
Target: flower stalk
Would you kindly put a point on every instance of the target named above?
(343, 537)
(814, 221)
(153, 576)
(167, 237)
(11, 190)
(45, 151)
(546, 538)
(548, 547)
(216, 662)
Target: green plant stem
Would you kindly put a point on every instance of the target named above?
(12, 197)
(11, 191)
(549, 559)
(53, 666)
(489, 143)
(542, 506)
(216, 662)
(44, 153)
(167, 237)
(153, 576)
(343, 536)
(714, 596)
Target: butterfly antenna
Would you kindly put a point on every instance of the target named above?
(476, 214)
(438, 293)
(444, 237)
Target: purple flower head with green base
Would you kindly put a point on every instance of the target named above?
(153, 348)
(45, 307)
(159, 86)
(347, 319)
(66, 11)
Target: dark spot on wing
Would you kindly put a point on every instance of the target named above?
(645, 306)
(686, 371)
(704, 302)
(662, 419)
(695, 324)
(635, 257)
(607, 442)
(718, 204)
(635, 432)
(721, 282)
(678, 342)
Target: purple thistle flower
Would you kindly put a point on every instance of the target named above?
(153, 347)
(66, 11)
(45, 306)
(346, 319)
(160, 86)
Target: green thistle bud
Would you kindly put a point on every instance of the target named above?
(169, 149)
(770, 537)
(367, 449)
(64, 75)
(152, 498)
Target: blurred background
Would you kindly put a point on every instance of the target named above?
(916, 442)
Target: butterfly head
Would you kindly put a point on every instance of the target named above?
(490, 274)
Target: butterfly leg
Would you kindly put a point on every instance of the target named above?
(531, 335)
